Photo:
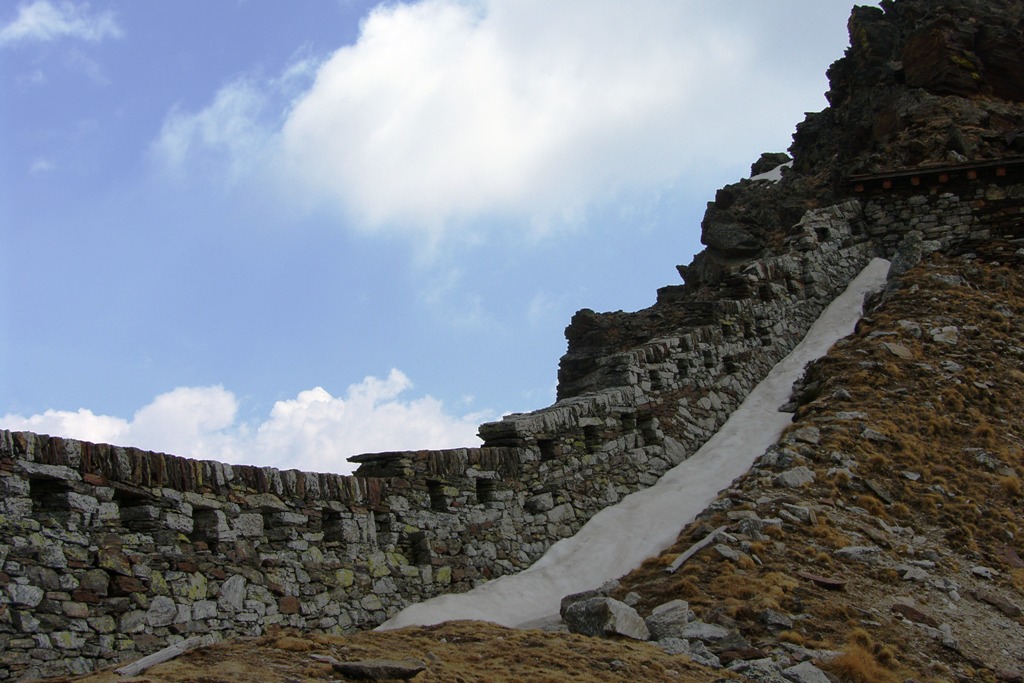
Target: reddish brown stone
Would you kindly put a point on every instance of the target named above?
(740, 653)
(1010, 556)
(114, 560)
(94, 479)
(825, 582)
(217, 573)
(915, 615)
(188, 567)
(123, 585)
(1000, 603)
(275, 588)
(85, 596)
(146, 641)
(289, 604)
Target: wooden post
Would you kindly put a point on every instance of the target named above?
(694, 549)
(168, 653)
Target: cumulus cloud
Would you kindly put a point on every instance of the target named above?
(44, 21)
(314, 431)
(447, 111)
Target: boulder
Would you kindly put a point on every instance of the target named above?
(729, 238)
(380, 669)
(669, 620)
(601, 616)
(805, 672)
(695, 650)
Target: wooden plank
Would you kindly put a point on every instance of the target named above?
(161, 656)
(694, 549)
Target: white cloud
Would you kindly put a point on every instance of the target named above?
(314, 431)
(44, 21)
(229, 132)
(40, 167)
(448, 111)
(82, 424)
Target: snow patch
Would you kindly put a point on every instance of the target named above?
(617, 539)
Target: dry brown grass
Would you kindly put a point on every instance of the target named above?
(858, 665)
(465, 652)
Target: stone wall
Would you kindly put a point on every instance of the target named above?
(107, 553)
(960, 217)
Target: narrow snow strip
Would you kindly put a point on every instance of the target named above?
(618, 538)
(773, 175)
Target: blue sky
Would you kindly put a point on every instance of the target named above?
(286, 233)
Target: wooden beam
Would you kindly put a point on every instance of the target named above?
(161, 656)
(694, 549)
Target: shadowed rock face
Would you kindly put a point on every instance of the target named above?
(923, 82)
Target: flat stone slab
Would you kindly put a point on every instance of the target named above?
(380, 669)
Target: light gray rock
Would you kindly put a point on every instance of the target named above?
(948, 335)
(232, 593)
(669, 620)
(908, 254)
(770, 617)
(759, 670)
(728, 553)
(605, 616)
(795, 477)
(25, 595)
(204, 609)
(704, 632)
(161, 612)
(695, 650)
(805, 672)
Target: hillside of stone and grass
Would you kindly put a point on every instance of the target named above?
(880, 540)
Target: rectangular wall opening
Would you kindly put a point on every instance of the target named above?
(137, 511)
(333, 528)
(205, 526)
(49, 500)
(485, 489)
(549, 449)
(438, 499)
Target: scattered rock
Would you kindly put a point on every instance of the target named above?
(669, 620)
(984, 572)
(805, 672)
(695, 650)
(828, 583)
(381, 669)
(879, 491)
(600, 616)
(898, 350)
(795, 478)
(914, 614)
(948, 335)
(771, 618)
(704, 632)
(1000, 603)
(860, 553)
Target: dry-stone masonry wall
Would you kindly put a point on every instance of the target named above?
(107, 553)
